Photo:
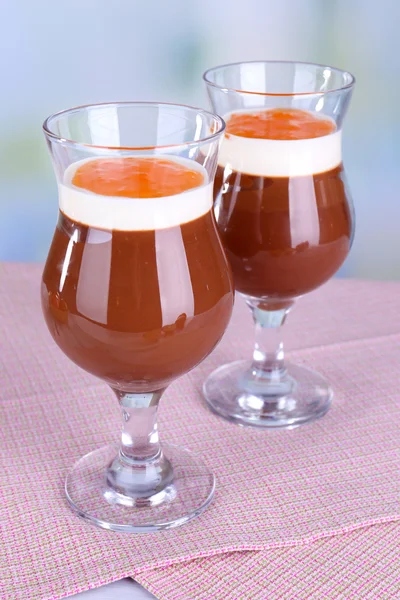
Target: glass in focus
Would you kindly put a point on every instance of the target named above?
(137, 291)
(286, 219)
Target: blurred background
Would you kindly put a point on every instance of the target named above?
(55, 55)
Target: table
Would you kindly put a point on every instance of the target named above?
(125, 589)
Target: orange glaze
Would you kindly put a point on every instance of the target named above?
(279, 124)
(136, 177)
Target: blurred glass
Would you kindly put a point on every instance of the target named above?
(55, 55)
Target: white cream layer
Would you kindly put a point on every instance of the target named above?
(280, 158)
(134, 214)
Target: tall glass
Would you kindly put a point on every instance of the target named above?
(286, 220)
(137, 291)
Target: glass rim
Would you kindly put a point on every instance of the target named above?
(277, 62)
(54, 137)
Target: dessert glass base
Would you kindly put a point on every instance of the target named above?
(239, 393)
(187, 494)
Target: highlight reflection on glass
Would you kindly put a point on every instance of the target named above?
(137, 291)
(286, 220)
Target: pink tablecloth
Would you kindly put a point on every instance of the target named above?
(308, 513)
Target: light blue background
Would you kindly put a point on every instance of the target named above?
(56, 54)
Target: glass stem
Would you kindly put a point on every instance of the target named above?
(139, 438)
(140, 474)
(268, 354)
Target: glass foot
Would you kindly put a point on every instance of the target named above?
(187, 495)
(238, 393)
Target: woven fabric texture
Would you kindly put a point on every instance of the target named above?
(279, 492)
(361, 565)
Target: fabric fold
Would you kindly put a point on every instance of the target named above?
(363, 564)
